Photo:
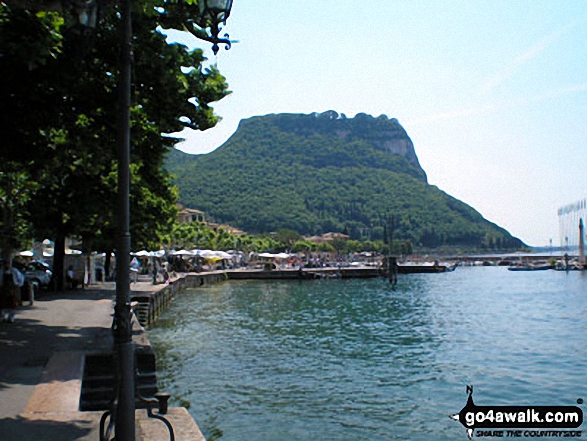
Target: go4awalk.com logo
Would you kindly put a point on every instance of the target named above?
(520, 421)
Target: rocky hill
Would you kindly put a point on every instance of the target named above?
(324, 172)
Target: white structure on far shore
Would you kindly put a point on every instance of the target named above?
(569, 218)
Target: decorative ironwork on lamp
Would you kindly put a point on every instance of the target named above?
(212, 13)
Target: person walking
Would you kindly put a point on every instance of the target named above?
(135, 268)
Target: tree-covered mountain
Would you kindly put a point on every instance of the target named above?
(323, 173)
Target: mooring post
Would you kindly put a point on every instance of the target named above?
(391, 260)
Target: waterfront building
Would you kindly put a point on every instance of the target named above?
(187, 215)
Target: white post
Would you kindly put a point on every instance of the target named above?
(581, 242)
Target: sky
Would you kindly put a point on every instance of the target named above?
(493, 93)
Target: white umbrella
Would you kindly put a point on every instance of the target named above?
(206, 254)
(181, 253)
(275, 256)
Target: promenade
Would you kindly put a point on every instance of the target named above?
(41, 365)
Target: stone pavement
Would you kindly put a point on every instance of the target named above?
(41, 366)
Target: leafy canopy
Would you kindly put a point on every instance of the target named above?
(61, 128)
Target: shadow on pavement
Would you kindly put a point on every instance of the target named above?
(76, 294)
(20, 429)
(54, 324)
(30, 344)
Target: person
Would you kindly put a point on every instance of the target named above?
(70, 278)
(155, 271)
(12, 281)
(135, 267)
(165, 272)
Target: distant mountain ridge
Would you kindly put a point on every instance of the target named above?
(325, 172)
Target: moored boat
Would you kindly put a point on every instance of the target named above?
(424, 268)
(530, 267)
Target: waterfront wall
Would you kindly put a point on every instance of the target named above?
(150, 304)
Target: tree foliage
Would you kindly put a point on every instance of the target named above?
(296, 172)
(199, 235)
(61, 128)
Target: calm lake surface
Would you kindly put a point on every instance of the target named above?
(356, 360)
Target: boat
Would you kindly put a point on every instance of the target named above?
(529, 267)
(425, 268)
(570, 267)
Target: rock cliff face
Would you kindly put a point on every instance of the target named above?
(383, 133)
(388, 135)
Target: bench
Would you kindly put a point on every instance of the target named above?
(157, 402)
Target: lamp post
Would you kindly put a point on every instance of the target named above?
(391, 259)
(125, 407)
(212, 11)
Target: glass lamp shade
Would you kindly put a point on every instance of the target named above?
(217, 10)
(83, 12)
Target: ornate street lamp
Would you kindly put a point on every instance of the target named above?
(83, 14)
(217, 10)
(212, 13)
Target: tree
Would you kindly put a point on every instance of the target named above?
(27, 42)
(287, 237)
(304, 246)
(68, 149)
(15, 191)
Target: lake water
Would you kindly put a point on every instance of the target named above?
(356, 360)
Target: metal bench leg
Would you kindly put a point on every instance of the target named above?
(105, 435)
(161, 418)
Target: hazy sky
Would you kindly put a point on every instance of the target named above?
(492, 93)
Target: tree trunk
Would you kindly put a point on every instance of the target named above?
(88, 267)
(107, 265)
(7, 252)
(7, 233)
(59, 263)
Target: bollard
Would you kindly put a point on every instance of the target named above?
(31, 288)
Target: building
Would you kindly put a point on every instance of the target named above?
(187, 215)
(327, 237)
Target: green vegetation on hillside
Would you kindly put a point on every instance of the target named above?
(298, 172)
